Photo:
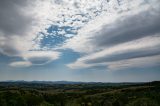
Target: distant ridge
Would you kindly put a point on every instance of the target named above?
(74, 82)
(67, 82)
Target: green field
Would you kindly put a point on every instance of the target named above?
(79, 94)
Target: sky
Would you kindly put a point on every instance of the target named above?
(80, 40)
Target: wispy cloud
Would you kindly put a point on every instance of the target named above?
(114, 39)
(141, 62)
(148, 46)
(20, 64)
(20, 22)
(40, 57)
(107, 30)
(36, 58)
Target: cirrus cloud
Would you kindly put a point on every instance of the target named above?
(20, 64)
(119, 37)
(20, 22)
(36, 58)
(41, 57)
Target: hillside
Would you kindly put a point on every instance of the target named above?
(79, 94)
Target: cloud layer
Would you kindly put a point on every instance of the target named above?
(120, 39)
(36, 58)
(23, 21)
(20, 64)
(41, 57)
(110, 33)
(20, 22)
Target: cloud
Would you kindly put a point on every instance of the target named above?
(114, 28)
(14, 19)
(68, 16)
(36, 58)
(144, 47)
(40, 57)
(119, 37)
(128, 28)
(20, 22)
(14, 24)
(142, 62)
(15, 46)
(109, 30)
(20, 64)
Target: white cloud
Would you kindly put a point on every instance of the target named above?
(36, 58)
(20, 22)
(141, 62)
(138, 48)
(115, 27)
(20, 64)
(77, 13)
(123, 35)
(40, 57)
(108, 28)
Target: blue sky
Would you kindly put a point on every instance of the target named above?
(80, 40)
